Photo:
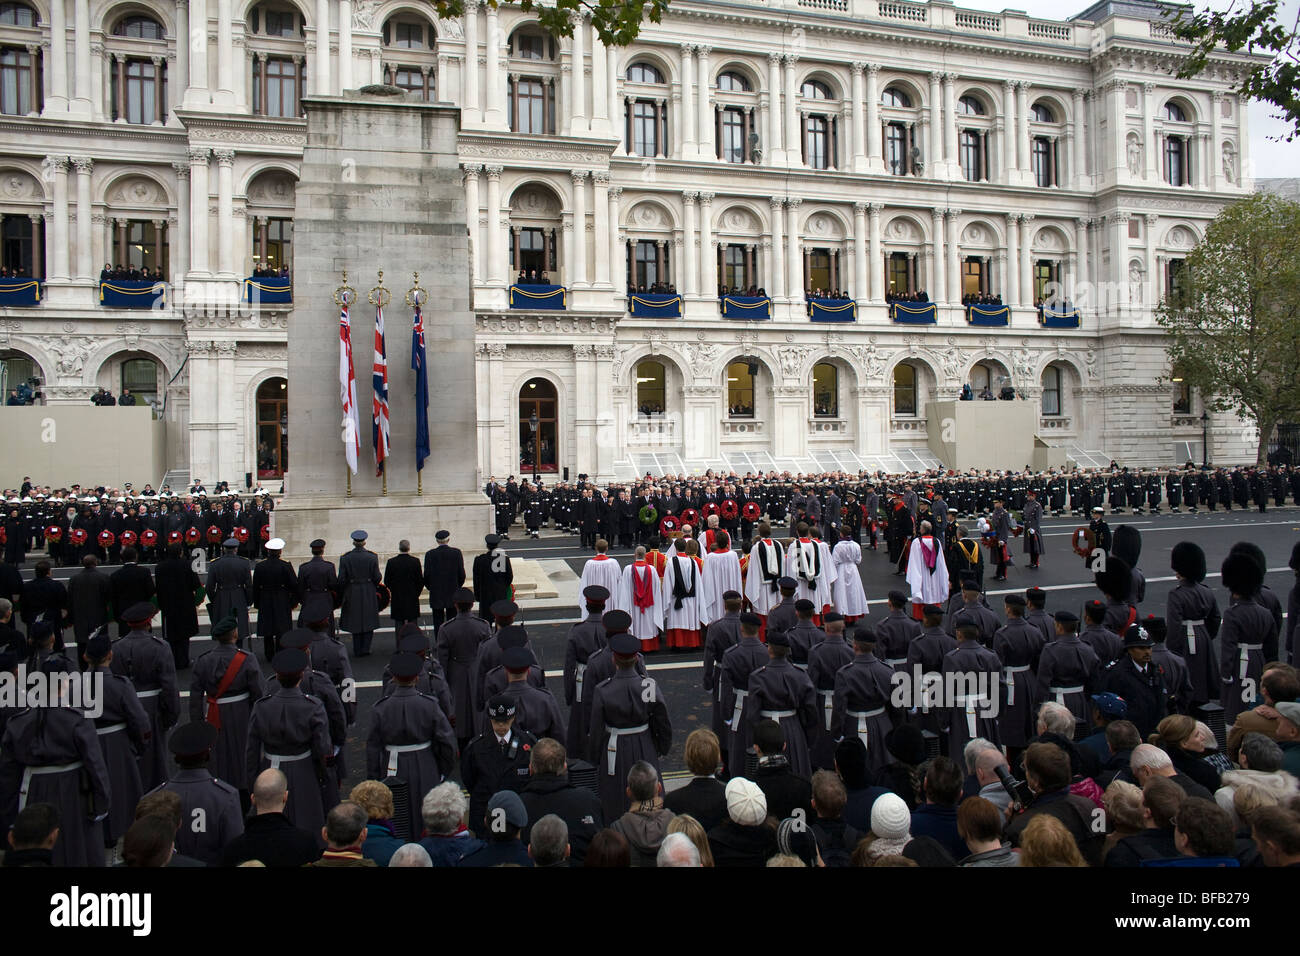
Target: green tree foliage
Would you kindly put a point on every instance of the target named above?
(1234, 319)
(1257, 29)
(616, 21)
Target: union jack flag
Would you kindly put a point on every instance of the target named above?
(380, 378)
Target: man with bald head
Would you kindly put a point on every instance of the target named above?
(269, 836)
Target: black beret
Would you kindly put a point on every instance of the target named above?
(192, 739)
(594, 592)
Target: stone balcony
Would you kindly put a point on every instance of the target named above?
(743, 428)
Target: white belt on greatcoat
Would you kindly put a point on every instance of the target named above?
(1245, 657)
(395, 750)
(149, 693)
(1011, 673)
(894, 662)
(1061, 692)
(828, 705)
(969, 702)
(611, 746)
(862, 716)
(29, 772)
(277, 759)
(110, 729)
(579, 674)
(1191, 634)
(231, 699)
(740, 707)
(777, 714)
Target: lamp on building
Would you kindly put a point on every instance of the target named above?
(532, 428)
(1205, 439)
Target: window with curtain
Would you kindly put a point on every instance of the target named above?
(1042, 159)
(904, 389)
(407, 34)
(731, 82)
(137, 27)
(1174, 113)
(19, 81)
(817, 142)
(530, 106)
(644, 73)
(645, 132)
(532, 46)
(826, 390)
(18, 15)
(273, 20)
(413, 80)
(1051, 391)
(733, 135)
(1042, 113)
(276, 87)
(896, 149)
(969, 106)
(1175, 160)
(142, 90)
(893, 96)
(733, 266)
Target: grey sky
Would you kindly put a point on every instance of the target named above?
(1268, 157)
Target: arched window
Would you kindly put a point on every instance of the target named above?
(826, 391)
(904, 389)
(18, 15)
(17, 370)
(137, 27)
(1052, 390)
(982, 377)
(644, 73)
(1174, 113)
(140, 375)
(651, 391)
(272, 428)
(408, 33)
(815, 90)
(1042, 113)
(740, 389)
(733, 82)
(893, 96)
(969, 106)
(532, 45)
(276, 20)
(538, 432)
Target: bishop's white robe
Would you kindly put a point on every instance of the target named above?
(927, 578)
(809, 562)
(606, 573)
(759, 589)
(691, 616)
(649, 621)
(850, 598)
(721, 574)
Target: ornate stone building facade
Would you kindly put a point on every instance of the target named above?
(869, 146)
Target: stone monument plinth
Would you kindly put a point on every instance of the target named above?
(380, 189)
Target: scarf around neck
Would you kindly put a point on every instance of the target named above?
(643, 596)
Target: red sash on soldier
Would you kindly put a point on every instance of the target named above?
(228, 678)
(1132, 617)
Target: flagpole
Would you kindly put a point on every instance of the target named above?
(344, 296)
(379, 297)
(415, 300)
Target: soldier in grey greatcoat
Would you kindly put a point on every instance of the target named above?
(147, 660)
(225, 684)
(210, 812)
(123, 731)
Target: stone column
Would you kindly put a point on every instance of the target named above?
(579, 265)
(1022, 125)
(179, 80)
(56, 169)
(225, 210)
(950, 123)
(494, 78)
(875, 158)
(935, 259)
(934, 147)
(772, 104)
(954, 257)
(345, 47)
(1081, 278)
(197, 94)
(469, 85)
(704, 109)
(38, 245)
(859, 162)
(1155, 277)
(861, 291)
(1119, 257)
(1026, 276)
(599, 85)
(81, 57)
(199, 211)
(578, 124)
(225, 94)
(600, 235)
(709, 257)
(566, 251)
(56, 97)
(792, 132)
(1010, 141)
(776, 277)
(1080, 141)
(472, 213)
(876, 255)
(690, 271)
(1149, 132)
(85, 166)
(494, 271)
(614, 247)
(1011, 276)
(1214, 172)
(794, 251)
